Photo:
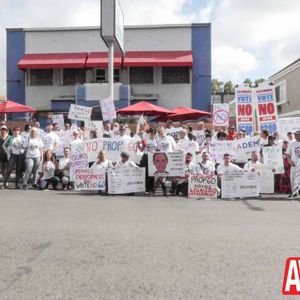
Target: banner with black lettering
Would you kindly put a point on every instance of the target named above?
(201, 186)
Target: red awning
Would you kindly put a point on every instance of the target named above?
(12, 107)
(143, 107)
(158, 59)
(53, 60)
(100, 59)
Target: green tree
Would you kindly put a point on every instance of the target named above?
(247, 81)
(258, 81)
(228, 87)
(215, 86)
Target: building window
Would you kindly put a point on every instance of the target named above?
(41, 77)
(73, 76)
(141, 75)
(116, 75)
(280, 92)
(100, 75)
(175, 75)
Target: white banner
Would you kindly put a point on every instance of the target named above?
(112, 146)
(187, 146)
(266, 108)
(272, 157)
(220, 114)
(286, 125)
(218, 148)
(201, 186)
(172, 131)
(108, 109)
(64, 141)
(59, 119)
(244, 147)
(244, 109)
(79, 159)
(123, 180)
(240, 185)
(296, 187)
(266, 179)
(166, 164)
(89, 179)
(80, 113)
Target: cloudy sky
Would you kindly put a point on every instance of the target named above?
(250, 39)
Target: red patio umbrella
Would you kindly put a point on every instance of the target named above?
(9, 106)
(184, 113)
(143, 107)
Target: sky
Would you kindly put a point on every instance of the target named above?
(250, 39)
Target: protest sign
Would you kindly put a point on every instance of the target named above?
(80, 113)
(78, 159)
(266, 179)
(59, 119)
(244, 109)
(64, 141)
(200, 136)
(244, 147)
(296, 185)
(272, 157)
(201, 186)
(108, 109)
(126, 180)
(240, 185)
(187, 146)
(89, 179)
(218, 148)
(90, 126)
(166, 164)
(172, 131)
(286, 125)
(112, 146)
(220, 114)
(266, 108)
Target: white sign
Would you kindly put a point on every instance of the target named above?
(108, 109)
(217, 149)
(80, 113)
(296, 187)
(200, 136)
(201, 186)
(266, 179)
(221, 114)
(78, 160)
(89, 179)
(90, 126)
(244, 147)
(126, 180)
(64, 141)
(59, 119)
(286, 125)
(273, 158)
(172, 131)
(240, 185)
(166, 164)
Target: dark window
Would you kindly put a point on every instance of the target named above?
(175, 75)
(141, 75)
(116, 75)
(277, 93)
(100, 75)
(41, 77)
(73, 76)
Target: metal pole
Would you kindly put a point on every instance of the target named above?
(111, 69)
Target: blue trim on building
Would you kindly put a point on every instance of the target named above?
(15, 50)
(201, 73)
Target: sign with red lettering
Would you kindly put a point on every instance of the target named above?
(291, 280)
(202, 186)
(244, 109)
(266, 108)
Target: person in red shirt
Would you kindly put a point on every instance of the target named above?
(231, 133)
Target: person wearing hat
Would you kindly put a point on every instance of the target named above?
(124, 161)
(16, 158)
(5, 140)
(293, 154)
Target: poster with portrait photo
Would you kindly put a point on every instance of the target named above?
(166, 164)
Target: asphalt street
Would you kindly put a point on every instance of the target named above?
(56, 245)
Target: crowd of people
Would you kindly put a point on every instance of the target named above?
(33, 155)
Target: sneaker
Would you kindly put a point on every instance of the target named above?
(25, 187)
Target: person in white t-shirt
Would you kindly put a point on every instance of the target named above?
(165, 143)
(253, 164)
(124, 162)
(64, 169)
(34, 152)
(227, 166)
(102, 162)
(51, 140)
(206, 166)
(293, 154)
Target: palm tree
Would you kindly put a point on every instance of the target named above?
(215, 86)
(247, 81)
(228, 87)
(258, 81)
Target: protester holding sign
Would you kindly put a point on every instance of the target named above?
(124, 162)
(253, 165)
(64, 169)
(165, 143)
(102, 162)
(206, 166)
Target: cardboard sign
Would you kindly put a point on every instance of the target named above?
(166, 164)
(123, 181)
(59, 119)
(218, 148)
(273, 158)
(108, 109)
(240, 185)
(220, 114)
(244, 109)
(266, 108)
(112, 146)
(89, 179)
(78, 160)
(201, 186)
(80, 113)
(244, 147)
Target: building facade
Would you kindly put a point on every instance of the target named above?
(50, 68)
(287, 83)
